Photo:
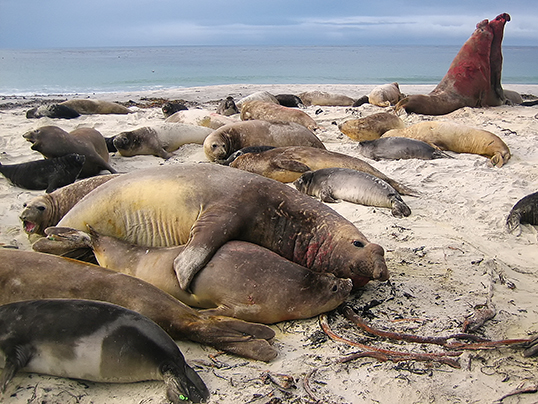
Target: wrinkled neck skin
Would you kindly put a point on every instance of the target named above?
(496, 95)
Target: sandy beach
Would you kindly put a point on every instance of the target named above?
(451, 256)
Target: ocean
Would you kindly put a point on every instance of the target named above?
(98, 70)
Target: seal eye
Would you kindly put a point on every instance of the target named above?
(41, 208)
(357, 243)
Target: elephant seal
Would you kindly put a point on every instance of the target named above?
(333, 184)
(257, 96)
(325, 99)
(228, 139)
(227, 107)
(201, 117)
(250, 294)
(206, 205)
(91, 107)
(27, 275)
(46, 210)
(159, 140)
(52, 111)
(473, 78)
(170, 108)
(276, 113)
(396, 148)
(47, 174)
(524, 211)
(289, 100)
(286, 164)
(96, 341)
(52, 141)
(457, 138)
(385, 95)
(370, 127)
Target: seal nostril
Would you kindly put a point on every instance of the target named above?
(335, 288)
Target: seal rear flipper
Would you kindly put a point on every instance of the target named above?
(399, 208)
(513, 222)
(183, 384)
(16, 358)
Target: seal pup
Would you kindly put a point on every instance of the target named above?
(170, 108)
(228, 139)
(96, 341)
(91, 107)
(473, 78)
(286, 164)
(47, 174)
(289, 100)
(52, 141)
(250, 293)
(457, 138)
(524, 211)
(268, 111)
(385, 95)
(227, 107)
(206, 205)
(325, 99)
(370, 127)
(27, 275)
(52, 111)
(46, 210)
(396, 148)
(334, 184)
(159, 140)
(201, 117)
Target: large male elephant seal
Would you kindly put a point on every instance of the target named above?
(268, 111)
(52, 141)
(385, 95)
(159, 140)
(261, 286)
(325, 99)
(228, 139)
(206, 205)
(370, 127)
(336, 183)
(396, 148)
(27, 275)
(96, 341)
(47, 174)
(90, 107)
(286, 164)
(524, 211)
(52, 111)
(457, 138)
(474, 77)
(46, 210)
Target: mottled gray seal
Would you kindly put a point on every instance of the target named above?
(206, 205)
(90, 107)
(370, 127)
(27, 275)
(47, 210)
(325, 99)
(228, 139)
(396, 148)
(524, 211)
(286, 164)
(473, 78)
(159, 140)
(47, 174)
(333, 184)
(385, 95)
(96, 341)
(457, 138)
(52, 111)
(227, 107)
(52, 141)
(278, 290)
(268, 111)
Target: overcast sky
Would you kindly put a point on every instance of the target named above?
(82, 23)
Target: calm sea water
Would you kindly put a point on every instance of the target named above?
(91, 70)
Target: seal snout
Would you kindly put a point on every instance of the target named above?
(380, 271)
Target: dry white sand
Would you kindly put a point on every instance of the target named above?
(451, 255)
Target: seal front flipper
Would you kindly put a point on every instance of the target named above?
(17, 357)
(291, 165)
